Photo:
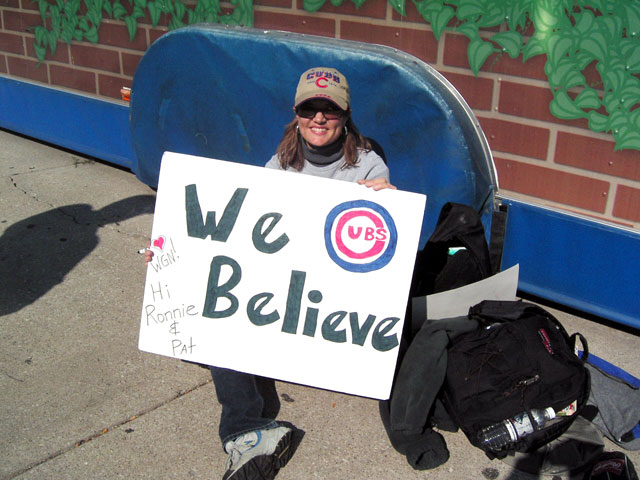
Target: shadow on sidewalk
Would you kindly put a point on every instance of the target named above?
(37, 253)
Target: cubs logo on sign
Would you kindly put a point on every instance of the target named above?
(360, 236)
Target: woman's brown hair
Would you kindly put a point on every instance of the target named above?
(290, 152)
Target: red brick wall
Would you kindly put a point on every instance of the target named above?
(539, 157)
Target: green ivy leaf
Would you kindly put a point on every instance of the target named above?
(629, 139)
(596, 45)
(77, 34)
(611, 103)
(92, 35)
(108, 8)
(545, 17)
(630, 93)
(632, 56)
(52, 41)
(179, 10)
(94, 17)
(118, 10)
(597, 121)
(243, 13)
(469, 30)
(43, 6)
(41, 35)
(563, 108)
(40, 51)
(166, 6)
(399, 6)
(612, 79)
(631, 16)
(584, 22)
(582, 59)
(139, 13)
(617, 120)
(559, 46)
(532, 48)
(84, 24)
(470, 9)
(70, 9)
(141, 3)
(440, 20)
(154, 12)
(516, 13)
(312, 5)
(611, 27)
(495, 16)
(132, 26)
(564, 74)
(511, 42)
(588, 98)
(477, 52)
(175, 22)
(359, 3)
(54, 10)
(66, 35)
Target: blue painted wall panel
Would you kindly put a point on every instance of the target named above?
(84, 124)
(581, 263)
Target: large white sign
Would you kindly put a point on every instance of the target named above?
(279, 274)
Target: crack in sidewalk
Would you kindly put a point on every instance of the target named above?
(106, 430)
(110, 225)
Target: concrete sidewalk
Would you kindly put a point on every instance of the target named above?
(77, 398)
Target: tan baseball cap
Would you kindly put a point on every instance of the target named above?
(323, 82)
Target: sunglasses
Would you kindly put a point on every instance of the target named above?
(309, 111)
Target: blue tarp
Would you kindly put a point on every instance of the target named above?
(227, 93)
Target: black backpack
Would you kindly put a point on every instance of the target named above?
(456, 253)
(520, 359)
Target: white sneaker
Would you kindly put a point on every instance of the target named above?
(258, 455)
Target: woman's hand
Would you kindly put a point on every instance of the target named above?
(377, 183)
(148, 254)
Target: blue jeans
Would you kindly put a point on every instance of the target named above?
(249, 402)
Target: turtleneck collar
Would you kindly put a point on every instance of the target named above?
(323, 155)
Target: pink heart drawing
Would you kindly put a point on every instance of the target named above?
(158, 242)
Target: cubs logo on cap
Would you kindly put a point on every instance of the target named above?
(323, 82)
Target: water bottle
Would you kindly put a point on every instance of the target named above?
(500, 435)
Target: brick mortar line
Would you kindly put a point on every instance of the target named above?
(580, 131)
(551, 147)
(582, 172)
(381, 22)
(611, 201)
(90, 70)
(99, 46)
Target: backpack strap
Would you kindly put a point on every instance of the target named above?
(585, 345)
(496, 239)
(491, 311)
